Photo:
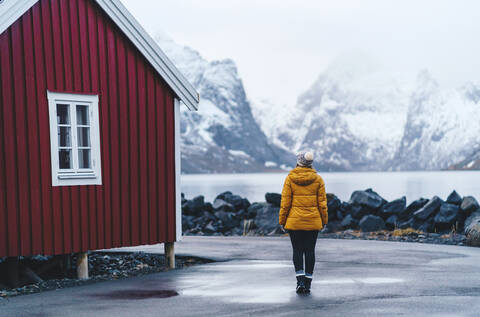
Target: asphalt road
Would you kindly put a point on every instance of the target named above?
(255, 277)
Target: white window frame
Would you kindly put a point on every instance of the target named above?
(75, 175)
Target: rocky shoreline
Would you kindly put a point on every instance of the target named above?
(455, 220)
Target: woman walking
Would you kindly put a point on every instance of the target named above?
(303, 212)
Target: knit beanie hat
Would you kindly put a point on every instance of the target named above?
(305, 159)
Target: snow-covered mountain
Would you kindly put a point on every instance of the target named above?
(352, 117)
(223, 135)
(442, 126)
(357, 116)
(470, 163)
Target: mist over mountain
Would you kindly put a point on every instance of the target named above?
(352, 117)
(442, 126)
(357, 116)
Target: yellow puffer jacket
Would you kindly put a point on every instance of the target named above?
(304, 201)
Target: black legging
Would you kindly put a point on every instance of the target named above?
(303, 242)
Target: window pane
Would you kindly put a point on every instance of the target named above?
(65, 159)
(64, 137)
(63, 116)
(82, 115)
(84, 159)
(83, 137)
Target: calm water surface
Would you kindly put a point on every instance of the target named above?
(390, 185)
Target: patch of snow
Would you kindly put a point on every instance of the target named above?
(238, 153)
(270, 164)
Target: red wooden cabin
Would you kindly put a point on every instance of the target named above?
(89, 129)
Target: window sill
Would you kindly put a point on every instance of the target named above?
(77, 176)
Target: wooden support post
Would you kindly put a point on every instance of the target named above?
(169, 255)
(82, 266)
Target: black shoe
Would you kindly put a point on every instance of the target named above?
(308, 284)
(301, 284)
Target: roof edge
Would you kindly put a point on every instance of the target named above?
(12, 10)
(152, 52)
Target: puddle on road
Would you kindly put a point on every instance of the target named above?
(251, 266)
(368, 280)
(262, 282)
(138, 294)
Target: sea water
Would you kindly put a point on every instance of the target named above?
(390, 185)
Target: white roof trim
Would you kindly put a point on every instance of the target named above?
(12, 10)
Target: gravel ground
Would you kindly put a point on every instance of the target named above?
(104, 266)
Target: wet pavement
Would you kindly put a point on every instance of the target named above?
(255, 277)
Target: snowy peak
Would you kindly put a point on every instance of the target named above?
(358, 116)
(222, 136)
(442, 126)
(355, 116)
(352, 117)
(472, 91)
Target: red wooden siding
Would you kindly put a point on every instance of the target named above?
(72, 46)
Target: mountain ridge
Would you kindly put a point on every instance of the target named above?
(356, 116)
(222, 137)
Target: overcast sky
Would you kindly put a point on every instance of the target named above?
(280, 47)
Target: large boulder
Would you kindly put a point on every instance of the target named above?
(410, 223)
(273, 198)
(427, 226)
(253, 209)
(367, 198)
(358, 212)
(395, 207)
(414, 206)
(266, 219)
(187, 222)
(430, 209)
(194, 207)
(224, 195)
(469, 205)
(246, 203)
(472, 229)
(208, 207)
(473, 218)
(348, 222)
(236, 201)
(220, 204)
(454, 198)
(241, 214)
(446, 217)
(228, 219)
(333, 203)
(473, 235)
(198, 203)
(391, 222)
(371, 223)
(210, 228)
(338, 215)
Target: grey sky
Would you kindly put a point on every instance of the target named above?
(280, 47)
